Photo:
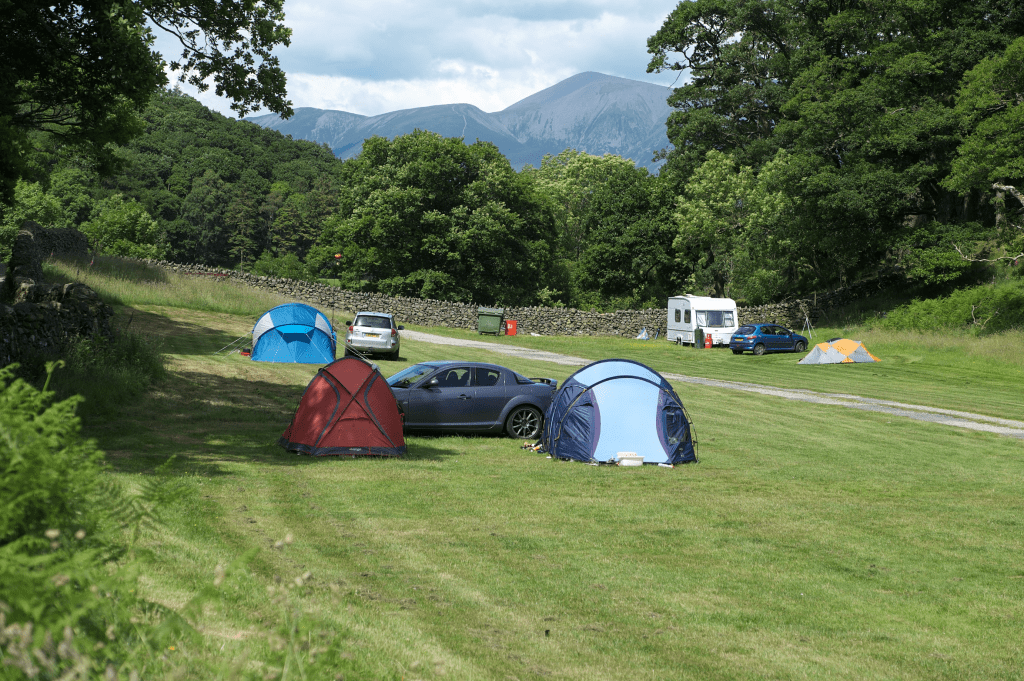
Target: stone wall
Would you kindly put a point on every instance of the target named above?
(540, 320)
(62, 243)
(38, 318)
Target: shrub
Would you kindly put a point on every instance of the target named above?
(287, 266)
(55, 537)
(67, 610)
(123, 227)
(984, 309)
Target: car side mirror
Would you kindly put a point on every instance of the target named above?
(348, 323)
(432, 383)
(401, 328)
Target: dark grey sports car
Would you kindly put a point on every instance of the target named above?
(472, 397)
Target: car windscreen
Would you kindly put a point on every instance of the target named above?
(745, 330)
(409, 375)
(372, 321)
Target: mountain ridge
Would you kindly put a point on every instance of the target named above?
(590, 112)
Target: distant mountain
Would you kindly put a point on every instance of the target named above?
(590, 112)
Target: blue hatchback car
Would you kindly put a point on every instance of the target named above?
(762, 338)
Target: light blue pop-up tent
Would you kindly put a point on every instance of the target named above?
(618, 406)
(293, 333)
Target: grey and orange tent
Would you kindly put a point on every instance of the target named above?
(838, 351)
(348, 409)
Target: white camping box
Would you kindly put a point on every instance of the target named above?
(717, 316)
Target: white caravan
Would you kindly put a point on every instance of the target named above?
(716, 316)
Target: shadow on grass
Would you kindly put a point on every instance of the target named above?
(176, 337)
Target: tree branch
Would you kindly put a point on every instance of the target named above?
(1009, 188)
(973, 259)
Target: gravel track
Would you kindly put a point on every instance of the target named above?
(947, 417)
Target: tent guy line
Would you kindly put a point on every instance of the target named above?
(948, 417)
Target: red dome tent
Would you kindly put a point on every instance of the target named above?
(347, 409)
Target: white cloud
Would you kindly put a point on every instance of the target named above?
(456, 83)
(375, 56)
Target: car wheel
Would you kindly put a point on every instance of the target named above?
(737, 352)
(524, 423)
(800, 347)
(759, 349)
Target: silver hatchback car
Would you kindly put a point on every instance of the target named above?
(373, 333)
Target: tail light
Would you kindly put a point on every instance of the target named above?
(394, 333)
(350, 329)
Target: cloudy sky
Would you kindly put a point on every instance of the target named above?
(374, 56)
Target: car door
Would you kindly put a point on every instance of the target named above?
(442, 400)
(785, 339)
(772, 339)
(489, 395)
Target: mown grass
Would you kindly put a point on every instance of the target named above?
(810, 542)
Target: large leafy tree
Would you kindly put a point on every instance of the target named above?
(990, 162)
(858, 94)
(434, 217)
(627, 258)
(615, 230)
(84, 69)
(570, 180)
(123, 227)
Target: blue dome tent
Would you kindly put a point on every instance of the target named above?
(293, 333)
(616, 406)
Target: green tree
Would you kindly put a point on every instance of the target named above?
(31, 202)
(73, 187)
(570, 180)
(738, 56)
(989, 162)
(434, 217)
(626, 261)
(123, 227)
(201, 234)
(715, 212)
(242, 218)
(84, 71)
(731, 226)
(860, 97)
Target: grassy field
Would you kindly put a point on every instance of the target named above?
(810, 542)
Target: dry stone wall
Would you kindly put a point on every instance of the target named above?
(37, 318)
(540, 320)
(62, 243)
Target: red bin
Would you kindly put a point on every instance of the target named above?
(510, 327)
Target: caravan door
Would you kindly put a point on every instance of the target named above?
(680, 321)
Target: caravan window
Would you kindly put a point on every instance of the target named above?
(715, 318)
(677, 315)
(686, 316)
